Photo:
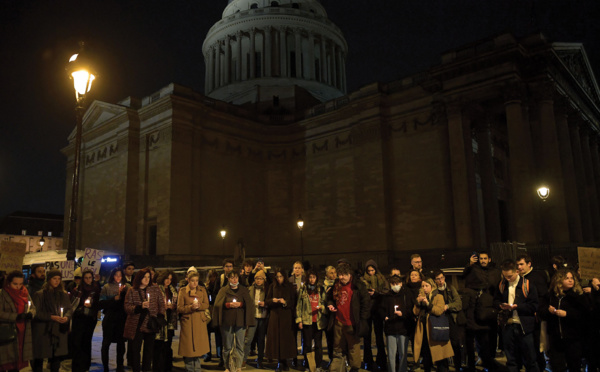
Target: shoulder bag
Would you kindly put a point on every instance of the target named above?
(440, 328)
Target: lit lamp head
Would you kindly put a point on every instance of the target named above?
(543, 192)
(82, 73)
(300, 222)
(42, 242)
(223, 232)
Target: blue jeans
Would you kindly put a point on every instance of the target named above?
(397, 344)
(517, 347)
(192, 364)
(230, 335)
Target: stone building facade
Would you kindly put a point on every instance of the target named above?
(446, 161)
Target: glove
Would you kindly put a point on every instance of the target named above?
(28, 316)
(22, 316)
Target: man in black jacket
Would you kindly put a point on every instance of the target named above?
(349, 302)
(539, 279)
(518, 299)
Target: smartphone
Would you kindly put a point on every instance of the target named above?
(474, 254)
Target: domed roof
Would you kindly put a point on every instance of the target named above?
(236, 6)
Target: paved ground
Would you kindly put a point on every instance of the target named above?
(178, 363)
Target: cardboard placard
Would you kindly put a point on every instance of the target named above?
(92, 259)
(66, 268)
(589, 262)
(11, 255)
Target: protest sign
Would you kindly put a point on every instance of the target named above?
(589, 262)
(66, 268)
(92, 259)
(11, 255)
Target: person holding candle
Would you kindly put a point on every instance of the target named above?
(396, 310)
(257, 293)
(85, 317)
(50, 327)
(377, 285)
(16, 308)
(142, 302)
(281, 332)
(163, 353)
(192, 302)
(311, 310)
(233, 313)
(112, 299)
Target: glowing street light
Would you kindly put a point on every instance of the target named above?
(82, 74)
(223, 234)
(543, 192)
(300, 224)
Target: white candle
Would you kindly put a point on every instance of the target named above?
(396, 308)
(61, 312)
(234, 300)
(210, 297)
(28, 303)
(195, 300)
(119, 287)
(169, 302)
(148, 296)
(87, 302)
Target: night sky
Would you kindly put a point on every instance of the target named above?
(141, 46)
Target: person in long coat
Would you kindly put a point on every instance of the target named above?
(281, 335)
(430, 302)
(192, 303)
(112, 300)
(16, 308)
(51, 323)
(163, 351)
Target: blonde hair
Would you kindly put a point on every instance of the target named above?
(556, 284)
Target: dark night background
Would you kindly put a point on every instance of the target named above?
(141, 46)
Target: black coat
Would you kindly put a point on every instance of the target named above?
(526, 306)
(478, 277)
(570, 327)
(281, 334)
(360, 306)
(398, 325)
(539, 278)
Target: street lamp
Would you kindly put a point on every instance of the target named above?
(223, 233)
(80, 71)
(42, 242)
(543, 192)
(300, 224)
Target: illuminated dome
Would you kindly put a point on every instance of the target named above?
(262, 45)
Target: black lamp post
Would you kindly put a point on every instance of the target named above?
(80, 71)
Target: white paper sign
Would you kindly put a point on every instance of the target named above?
(92, 259)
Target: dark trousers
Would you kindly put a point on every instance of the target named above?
(519, 347)
(440, 365)
(329, 338)
(120, 352)
(375, 323)
(37, 365)
(310, 333)
(83, 331)
(539, 356)
(485, 353)
(565, 354)
(162, 354)
(136, 347)
(456, 336)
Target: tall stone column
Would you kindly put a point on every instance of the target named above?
(268, 51)
(323, 59)
(283, 56)
(595, 164)
(210, 68)
(591, 182)
(238, 56)
(311, 55)
(489, 188)
(584, 206)
(333, 65)
(343, 62)
(568, 168)
(227, 72)
(218, 76)
(298, 48)
(520, 169)
(340, 69)
(556, 219)
(252, 53)
(458, 142)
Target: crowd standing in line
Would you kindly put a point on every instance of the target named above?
(536, 313)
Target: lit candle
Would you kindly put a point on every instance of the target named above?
(61, 312)
(148, 296)
(28, 303)
(396, 308)
(119, 287)
(195, 300)
(169, 302)
(234, 300)
(87, 302)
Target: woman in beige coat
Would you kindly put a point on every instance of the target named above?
(430, 302)
(193, 337)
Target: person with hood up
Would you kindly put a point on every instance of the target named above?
(377, 286)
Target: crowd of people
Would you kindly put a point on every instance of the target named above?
(256, 314)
